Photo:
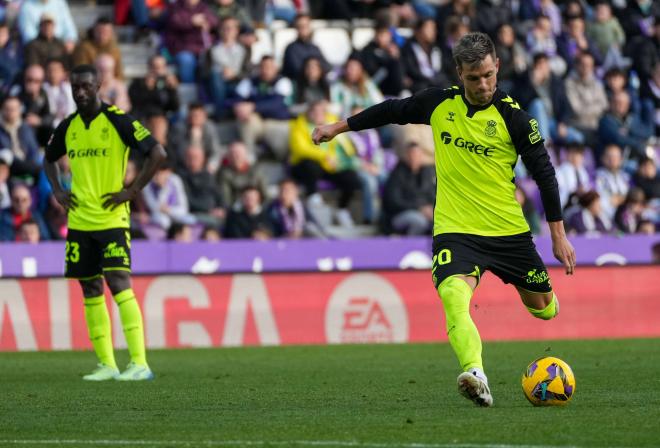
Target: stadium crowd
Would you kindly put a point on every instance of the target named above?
(236, 121)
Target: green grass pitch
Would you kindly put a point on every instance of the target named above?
(371, 396)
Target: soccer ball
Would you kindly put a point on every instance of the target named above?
(548, 382)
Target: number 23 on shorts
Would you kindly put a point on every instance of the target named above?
(72, 252)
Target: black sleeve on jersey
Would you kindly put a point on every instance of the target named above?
(132, 132)
(529, 144)
(56, 146)
(415, 109)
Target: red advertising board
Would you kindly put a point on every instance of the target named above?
(320, 308)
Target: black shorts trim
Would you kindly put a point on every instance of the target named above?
(513, 259)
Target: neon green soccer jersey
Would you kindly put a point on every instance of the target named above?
(98, 152)
(476, 150)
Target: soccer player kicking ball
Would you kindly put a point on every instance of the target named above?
(97, 139)
(479, 132)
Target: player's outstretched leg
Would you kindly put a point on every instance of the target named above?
(464, 338)
(100, 334)
(131, 321)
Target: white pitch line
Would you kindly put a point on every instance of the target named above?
(301, 443)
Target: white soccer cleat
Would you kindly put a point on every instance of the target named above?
(136, 372)
(475, 389)
(102, 373)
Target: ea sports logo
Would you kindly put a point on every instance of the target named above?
(446, 138)
(365, 308)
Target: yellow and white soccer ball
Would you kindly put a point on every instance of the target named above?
(548, 381)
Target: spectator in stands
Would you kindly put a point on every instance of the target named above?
(645, 50)
(6, 159)
(513, 58)
(572, 176)
(455, 28)
(189, 23)
(290, 218)
(11, 57)
(261, 109)
(541, 40)
(586, 94)
(382, 61)
(33, 97)
(631, 212)
(21, 210)
(58, 91)
(647, 178)
(248, 218)
(31, 13)
(19, 137)
(650, 91)
(28, 232)
(490, 16)
(210, 235)
(637, 18)
(354, 89)
(590, 218)
(156, 93)
(226, 63)
(334, 161)
(224, 9)
(371, 170)
(166, 200)
(544, 96)
(575, 41)
(422, 59)
(612, 183)
(605, 31)
(100, 40)
(45, 46)
(180, 233)
(204, 196)
(159, 127)
(625, 127)
(302, 48)
(464, 11)
(409, 195)
(237, 172)
(311, 86)
(530, 212)
(112, 90)
(196, 130)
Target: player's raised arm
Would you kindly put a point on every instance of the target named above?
(415, 109)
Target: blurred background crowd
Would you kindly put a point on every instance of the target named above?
(233, 89)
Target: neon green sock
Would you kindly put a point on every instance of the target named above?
(463, 335)
(100, 330)
(548, 312)
(131, 321)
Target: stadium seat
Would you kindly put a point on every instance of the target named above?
(263, 46)
(334, 43)
(281, 39)
(362, 36)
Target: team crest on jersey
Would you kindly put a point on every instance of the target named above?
(450, 116)
(74, 135)
(490, 130)
(105, 134)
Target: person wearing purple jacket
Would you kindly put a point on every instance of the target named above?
(187, 34)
